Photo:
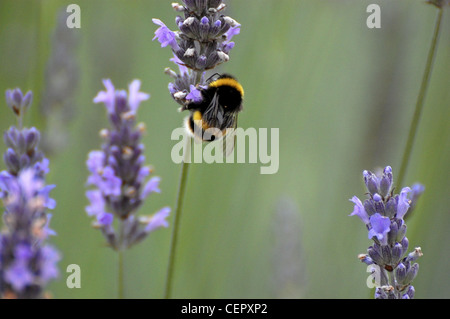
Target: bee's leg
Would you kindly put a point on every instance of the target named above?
(183, 108)
(188, 106)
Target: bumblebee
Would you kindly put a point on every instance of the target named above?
(218, 111)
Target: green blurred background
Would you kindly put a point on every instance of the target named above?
(343, 97)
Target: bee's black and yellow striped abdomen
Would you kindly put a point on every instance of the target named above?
(221, 102)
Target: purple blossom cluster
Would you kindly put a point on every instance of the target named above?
(202, 41)
(27, 262)
(383, 214)
(118, 173)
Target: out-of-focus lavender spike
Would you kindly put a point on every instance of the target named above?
(117, 172)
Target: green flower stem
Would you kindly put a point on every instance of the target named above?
(120, 275)
(177, 217)
(420, 100)
(120, 251)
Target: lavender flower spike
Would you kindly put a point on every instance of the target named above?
(27, 263)
(202, 42)
(387, 228)
(117, 172)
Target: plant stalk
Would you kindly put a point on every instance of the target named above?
(420, 100)
(177, 217)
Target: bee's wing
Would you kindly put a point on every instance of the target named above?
(211, 112)
(230, 138)
(215, 116)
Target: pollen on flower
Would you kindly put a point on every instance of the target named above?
(223, 56)
(9, 295)
(231, 21)
(37, 203)
(96, 225)
(170, 72)
(362, 256)
(127, 116)
(104, 133)
(189, 52)
(180, 95)
(221, 7)
(38, 228)
(189, 21)
(388, 288)
(130, 192)
(145, 219)
(127, 152)
(142, 128)
(177, 7)
(418, 251)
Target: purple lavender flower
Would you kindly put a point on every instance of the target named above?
(165, 36)
(158, 220)
(403, 202)
(136, 97)
(202, 42)
(118, 174)
(107, 97)
(383, 214)
(380, 227)
(27, 263)
(359, 210)
(194, 95)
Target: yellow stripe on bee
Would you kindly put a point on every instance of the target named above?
(228, 82)
(197, 117)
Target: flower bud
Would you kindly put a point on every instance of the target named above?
(392, 235)
(397, 253)
(386, 181)
(371, 182)
(409, 293)
(379, 205)
(390, 207)
(400, 273)
(369, 207)
(375, 256)
(387, 255)
(401, 232)
(412, 273)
